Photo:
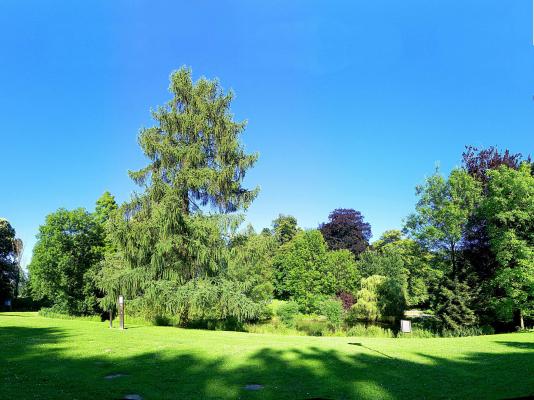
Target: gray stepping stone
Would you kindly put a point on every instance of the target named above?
(132, 397)
(253, 386)
(113, 376)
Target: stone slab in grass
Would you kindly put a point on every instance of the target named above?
(253, 386)
(114, 376)
(132, 397)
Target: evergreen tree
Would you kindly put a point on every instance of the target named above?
(105, 206)
(452, 305)
(163, 236)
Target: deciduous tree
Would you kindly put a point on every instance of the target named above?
(509, 210)
(346, 229)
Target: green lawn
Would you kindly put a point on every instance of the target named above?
(42, 358)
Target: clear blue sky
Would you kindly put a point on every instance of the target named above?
(350, 104)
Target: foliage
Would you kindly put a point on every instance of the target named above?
(509, 210)
(311, 325)
(347, 299)
(9, 257)
(287, 312)
(380, 296)
(333, 310)
(194, 149)
(367, 307)
(171, 255)
(307, 272)
(452, 305)
(202, 299)
(285, 228)
(478, 162)
(346, 229)
(250, 261)
(105, 207)
(360, 330)
(442, 214)
(397, 255)
(69, 245)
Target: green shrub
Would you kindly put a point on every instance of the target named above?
(467, 331)
(51, 312)
(418, 333)
(311, 325)
(287, 312)
(274, 305)
(370, 331)
(274, 326)
(333, 311)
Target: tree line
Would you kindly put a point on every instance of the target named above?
(177, 251)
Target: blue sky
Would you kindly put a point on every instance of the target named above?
(350, 104)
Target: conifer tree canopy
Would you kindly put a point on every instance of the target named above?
(196, 165)
(194, 148)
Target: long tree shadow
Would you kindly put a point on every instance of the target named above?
(34, 366)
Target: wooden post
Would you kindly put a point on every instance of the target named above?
(121, 311)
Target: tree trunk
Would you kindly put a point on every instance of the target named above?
(185, 202)
(521, 320)
(453, 260)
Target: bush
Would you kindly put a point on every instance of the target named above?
(370, 331)
(51, 312)
(287, 312)
(274, 326)
(467, 331)
(418, 333)
(347, 299)
(274, 305)
(333, 311)
(311, 325)
(26, 304)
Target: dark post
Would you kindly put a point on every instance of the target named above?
(110, 318)
(121, 311)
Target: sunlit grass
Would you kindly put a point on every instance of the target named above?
(45, 358)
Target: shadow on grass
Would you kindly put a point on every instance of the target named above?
(31, 370)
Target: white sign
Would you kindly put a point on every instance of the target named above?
(406, 326)
(121, 299)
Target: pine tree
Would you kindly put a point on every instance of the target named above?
(196, 164)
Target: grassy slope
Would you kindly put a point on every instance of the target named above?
(43, 358)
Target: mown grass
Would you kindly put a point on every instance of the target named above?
(46, 358)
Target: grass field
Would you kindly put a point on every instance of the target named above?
(43, 358)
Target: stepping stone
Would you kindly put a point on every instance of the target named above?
(113, 376)
(253, 386)
(132, 397)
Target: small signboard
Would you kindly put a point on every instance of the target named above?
(406, 326)
(121, 311)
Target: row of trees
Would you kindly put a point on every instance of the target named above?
(11, 274)
(176, 251)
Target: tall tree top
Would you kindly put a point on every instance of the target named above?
(194, 148)
(477, 162)
(7, 237)
(105, 205)
(346, 229)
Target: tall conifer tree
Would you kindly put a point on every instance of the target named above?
(196, 164)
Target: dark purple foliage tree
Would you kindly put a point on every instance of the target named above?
(346, 229)
(347, 299)
(478, 161)
(477, 252)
